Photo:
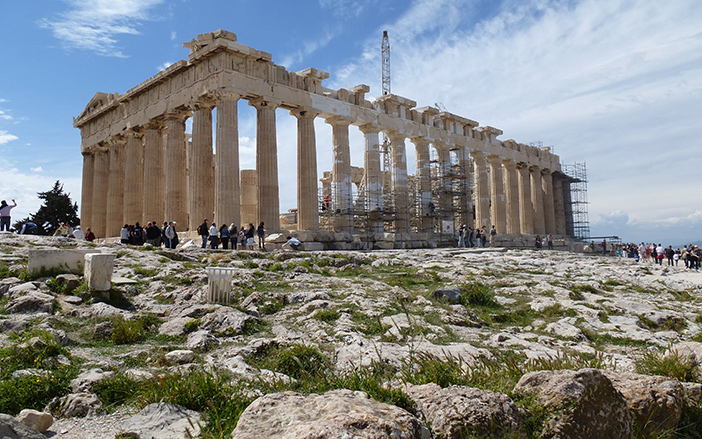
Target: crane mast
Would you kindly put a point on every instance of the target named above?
(385, 50)
(385, 147)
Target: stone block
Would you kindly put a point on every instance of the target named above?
(67, 261)
(312, 246)
(39, 421)
(98, 270)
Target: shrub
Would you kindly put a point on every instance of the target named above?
(480, 295)
(327, 315)
(132, 330)
(672, 365)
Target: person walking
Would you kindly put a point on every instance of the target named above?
(493, 233)
(5, 214)
(213, 236)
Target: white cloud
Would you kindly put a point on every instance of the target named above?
(174, 36)
(95, 24)
(6, 137)
(37, 169)
(5, 116)
(309, 47)
(164, 66)
(347, 8)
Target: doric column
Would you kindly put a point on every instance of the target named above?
(227, 202)
(497, 194)
(466, 196)
(482, 208)
(86, 198)
(154, 175)
(549, 212)
(175, 169)
(200, 187)
(399, 182)
(558, 205)
(445, 201)
(537, 200)
(342, 201)
(511, 197)
(249, 196)
(423, 173)
(133, 202)
(372, 183)
(307, 202)
(267, 164)
(115, 191)
(526, 211)
(101, 176)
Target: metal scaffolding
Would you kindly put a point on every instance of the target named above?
(575, 197)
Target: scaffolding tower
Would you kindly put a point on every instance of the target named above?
(577, 221)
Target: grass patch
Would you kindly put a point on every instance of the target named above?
(127, 331)
(479, 295)
(672, 365)
(327, 315)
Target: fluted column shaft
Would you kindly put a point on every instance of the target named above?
(175, 169)
(423, 172)
(133, 180)
(341, 174)
(86, 198)
(482, 208)
(558, 205)
(307, 202)
(267, 164)
(200, 188)
(115, 192)
(497, 195)
(101, 175)
(537, 200)
(466, 198)
(549, 212)
(399, 183)
(227, 191)
(154, 176)
(511, 197)
(445, 180)
(526, 210)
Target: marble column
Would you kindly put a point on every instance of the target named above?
(342, 200)
(133, 202)
(445, 177)
(249, 197)
(497, 195)
(154, 175)
(399, 182)
(115, 191)
(466, 196)
(175, 171)
(423, 173)
(86, 198)
(549, 212)
(482, 208)
(201, 183)
(307, 199)
(372, 180)
(227, 201)
(101, 178)
(267, 164)
(526, 210)
(558, 204)
(537, 200)
(511, 197)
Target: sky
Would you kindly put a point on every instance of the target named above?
(614, 84)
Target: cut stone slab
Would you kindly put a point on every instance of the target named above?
(67, 261)
(98, 270)
(163, 421)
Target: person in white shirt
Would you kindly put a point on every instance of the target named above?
(5, 214)
(214, 235)
(78, 233)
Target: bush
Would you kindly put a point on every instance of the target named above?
(133, 330)
(327, 315)
(480, 295)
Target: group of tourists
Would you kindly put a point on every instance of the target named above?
(655, 253)
(466, 234)
(151, 234)
(231, 235)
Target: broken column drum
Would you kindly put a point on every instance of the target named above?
(139, 164)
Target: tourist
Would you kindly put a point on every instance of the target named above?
(204, 232)
(233, 235)
(124, 234)
(5, 215)
(292, 243)
(493, 233)
(461, 235)
(213, 236)
(77, 233)
(89, 235)
(676, 256)
(164, 239)
(261, 233)
(224, 236)
(153, 234)
(660, 254)
(242, 237)
(549, 241)
(483, 237)
(29, 228)
(537, 241)
(137, 234)
(477, 236)
(604, 247)
(470, 234)
(669, 253)
(250, 236)
(171, 235)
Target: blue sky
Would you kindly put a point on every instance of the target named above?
(615, 84)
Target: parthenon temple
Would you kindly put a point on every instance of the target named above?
(139, 164)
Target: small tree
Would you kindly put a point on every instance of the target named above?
(56, 210)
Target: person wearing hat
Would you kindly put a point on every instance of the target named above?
(78, 233)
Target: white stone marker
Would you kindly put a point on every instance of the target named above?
(219, 285)
(98, 270)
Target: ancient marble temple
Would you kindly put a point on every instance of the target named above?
(139, 164)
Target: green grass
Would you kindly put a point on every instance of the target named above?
(479, 295)
(128, 331)
(328, 315)
(672, 365)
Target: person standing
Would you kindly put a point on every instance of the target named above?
(153, 234)
(261, 233)
(204, 232)
(224, 236)
(483, 237)
(660, 254)
(549, 241)
(233, 236)
(493, 233)
(214, 236)
(250, 236)
(124, 234)
(170, 235)
(461, 234)
(5, 214)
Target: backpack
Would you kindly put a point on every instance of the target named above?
(201, 230)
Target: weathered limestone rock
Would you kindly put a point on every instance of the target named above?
(201, 341)
(338, 414)
(457, 411)
(583, 404)
(32, 302)
(71, 281)
(452, 294)
(98, 271)
(74, 404)
(40, 421)
(11, 428)
(655, 402)
(84, 382)
(97, 310)
(67, 261)
(180, 356)
(226, 320)
(163, 421)
(7, 283)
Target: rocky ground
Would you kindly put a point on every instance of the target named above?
(391, 311)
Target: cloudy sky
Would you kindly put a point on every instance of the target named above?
(614, 84)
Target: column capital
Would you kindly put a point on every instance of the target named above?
(155, 124)
(534, 168)
(137, 132)
(261, 103)
(369, 128)
(522, 165)
(494, 158)
(338, 120)
(477, 154)
(546, 171)
(202, 103)
(179, 115)
(394, 135)
(509, 164)
(226, 94)
(118, 140)
(420, 141)
(304, 113)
